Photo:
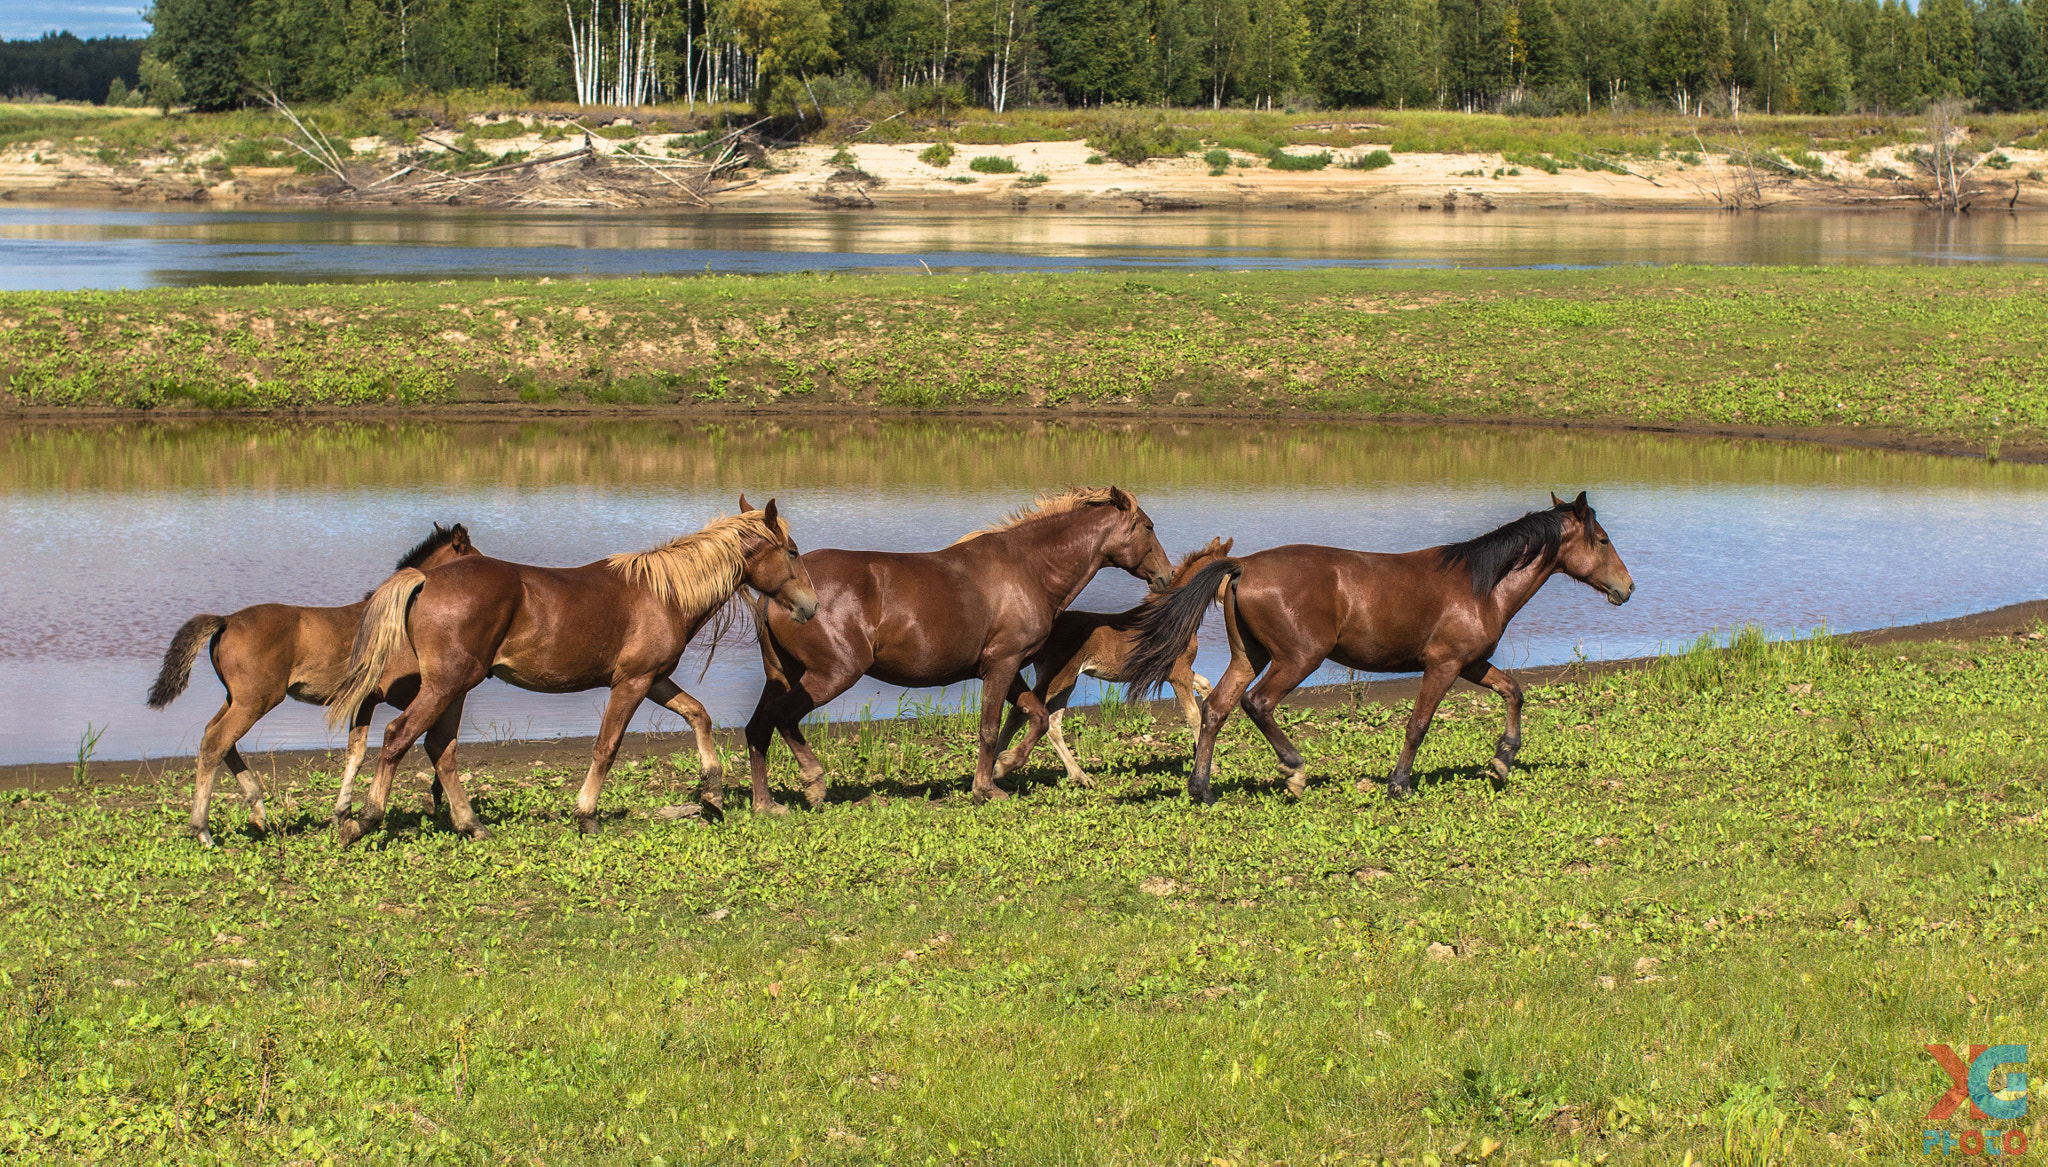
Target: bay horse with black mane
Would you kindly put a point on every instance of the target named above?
(268, 652)
(1439, 611)
(974, 611)
(1099, 644)
(620, 623)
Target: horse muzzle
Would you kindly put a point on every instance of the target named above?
(1619, 595)
(802, 610)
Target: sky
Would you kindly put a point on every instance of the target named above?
(28, 19)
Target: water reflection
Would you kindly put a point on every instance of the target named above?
(116, 534)
(72, 247)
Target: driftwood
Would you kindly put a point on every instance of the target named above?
(583, 177)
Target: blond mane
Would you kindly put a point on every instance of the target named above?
(701, 571)
(1043, 507)
(1188, 561)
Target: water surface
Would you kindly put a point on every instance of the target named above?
(117, 534)
(57, 247)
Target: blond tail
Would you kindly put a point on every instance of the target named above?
(377, 637)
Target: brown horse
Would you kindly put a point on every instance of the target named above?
(1440, 611)
(1098, 644)
(268, 652)
(621, 623)
(976, 610)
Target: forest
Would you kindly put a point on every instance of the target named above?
(1531, 57)
(61, 66)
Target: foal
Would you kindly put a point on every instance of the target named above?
(1098, 644)
(974, 611)
(621, 623)
(1440, 611)
(267, 652)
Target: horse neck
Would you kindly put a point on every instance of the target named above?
(1061, 555)
(1519, 586)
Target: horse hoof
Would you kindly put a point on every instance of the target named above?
(1082, 779)
(1500, 768)
(203, 837)
(349, 831)
(587, 826)
(773, 810)
(1297, 780)
(477, 832)
(1399, 791)
(990, 793)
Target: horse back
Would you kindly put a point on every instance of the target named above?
(895, 614)
(1363, 609)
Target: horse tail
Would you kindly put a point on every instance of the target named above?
(377, 637)
(197, 634)
(1164, 631)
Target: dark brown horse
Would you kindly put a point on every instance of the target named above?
(1099, 644)
(1440, 611)
(268, 652)
(621, 623)
(974, 611)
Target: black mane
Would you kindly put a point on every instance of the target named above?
(1491, 556)
(441, 537)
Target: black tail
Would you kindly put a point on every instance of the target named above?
(1164, 631)
(197, 633)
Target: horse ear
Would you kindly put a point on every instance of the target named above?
(458, 536)
(1121, 499)
(1556, 501)
(768, 514)
(744, 508)
(1580, 506)
(1227, 545)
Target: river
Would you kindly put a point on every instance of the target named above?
(118, 533)
(78, 247)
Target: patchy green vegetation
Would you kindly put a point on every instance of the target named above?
(1925, 351)
(1720, 907)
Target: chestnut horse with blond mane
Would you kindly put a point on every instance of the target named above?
(1099, 644)
(620, 623)
(268, 652)
(974, 611)
(1439, 611)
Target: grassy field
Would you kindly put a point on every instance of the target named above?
(1927, 351)
(1718, 911)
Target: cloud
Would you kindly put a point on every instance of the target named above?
(29, 19)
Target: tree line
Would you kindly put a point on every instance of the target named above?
(1529, 56)
(62, 66)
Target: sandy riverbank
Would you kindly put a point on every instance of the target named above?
(1058, 176)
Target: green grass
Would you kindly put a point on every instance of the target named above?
(1925, 351)
(1281, 160)
(1719, 908)
(993, 164)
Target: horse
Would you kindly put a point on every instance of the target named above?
(268, 652)
(975, 610)
(1440, 611)
(1098, 644)
(620, 623)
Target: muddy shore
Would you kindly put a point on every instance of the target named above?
(574, 752)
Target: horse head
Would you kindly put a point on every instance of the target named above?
(1133, 546)
(775, 568)
(1587, 555)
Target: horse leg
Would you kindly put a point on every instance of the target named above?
(1184, 690)
(1016, 719)
(1216, 710)
(441, 752)
(995, 681)
(358, 745)
(710, 774)
(1436, 681)
(252, 790)
(760, 737)
(1483, 673)
(1259, 705)
(226, 727)
(626, 697)
(405, 729)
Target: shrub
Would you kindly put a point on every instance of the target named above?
(992, 164)
(1095, 160)
(1371, 161)
(843, 158)
(938, 154)
(1282, 160)
(1543, 162)
(1130, 140)
(1034, 180)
